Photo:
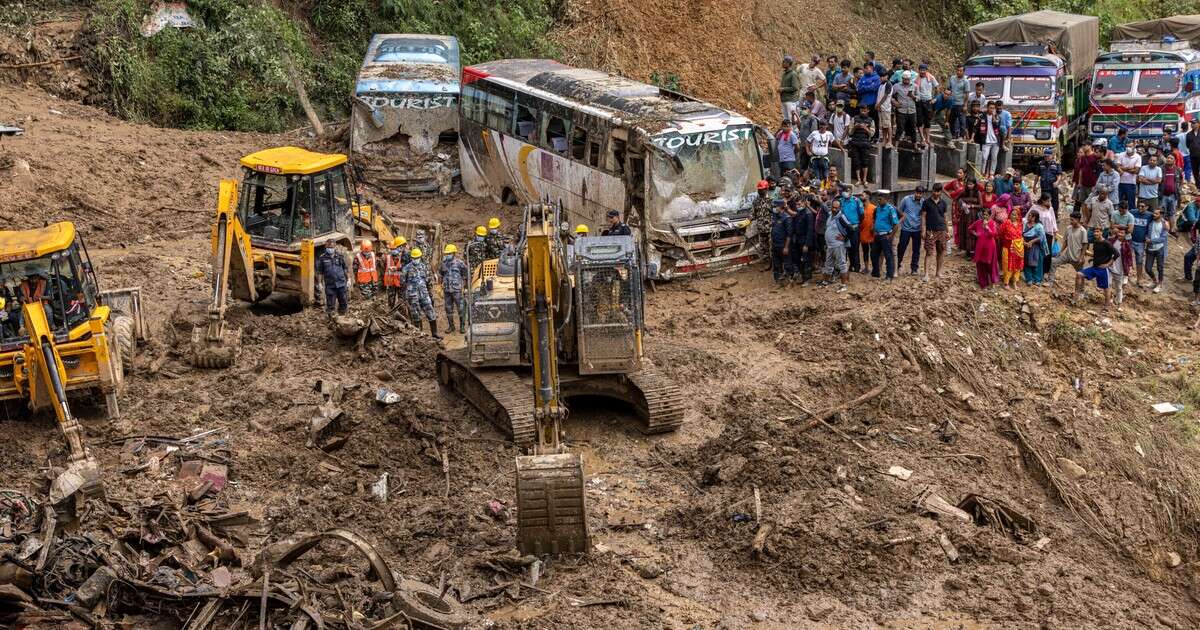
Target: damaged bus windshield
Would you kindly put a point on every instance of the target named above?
(698, 175)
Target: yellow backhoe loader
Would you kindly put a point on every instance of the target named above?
(564, 321)
(62, 337)
(268, 229)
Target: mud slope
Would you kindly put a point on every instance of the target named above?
(729, 52)
(976, 399)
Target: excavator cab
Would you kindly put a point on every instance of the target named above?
(61, 336)
(609, 304)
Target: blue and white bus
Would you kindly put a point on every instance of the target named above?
(404, 123)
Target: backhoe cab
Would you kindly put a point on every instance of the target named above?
(268, 229)
(61, 336)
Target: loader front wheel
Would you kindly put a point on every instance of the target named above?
(122, 331)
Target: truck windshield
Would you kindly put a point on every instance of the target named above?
(1158, 81)
(1030, 88)
(701, 175)
(1113, 82)
(993, 87)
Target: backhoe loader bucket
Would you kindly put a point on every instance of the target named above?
(551, 517)
(215, 351)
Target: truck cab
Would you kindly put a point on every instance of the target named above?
(1147, 88)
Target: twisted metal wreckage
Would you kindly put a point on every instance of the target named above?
(104, 561)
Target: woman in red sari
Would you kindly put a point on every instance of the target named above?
(984, 231)
(988, 197)
(970, 201)
(1012, 252)
(955, 190)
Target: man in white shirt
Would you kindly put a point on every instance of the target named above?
(883, 106)
(840, 121)
(990, 147)
(812, 77)
(1148, 179)
(1128, 164)
(927, 89)
(818, 149)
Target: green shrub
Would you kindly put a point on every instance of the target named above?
(230, 72)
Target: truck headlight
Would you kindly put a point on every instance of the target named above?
(1042, 134)
(1170, 128)
(1097, 128)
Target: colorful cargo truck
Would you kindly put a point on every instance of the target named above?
(1040, 66)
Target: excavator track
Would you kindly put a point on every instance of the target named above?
(661, 401)
(497, 393)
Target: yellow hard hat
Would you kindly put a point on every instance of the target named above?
(581, 229)
(493, 223)
(3, 303)
(415, 253)
(366, 246)
(399, 241)
(450, 249)
(480, 230)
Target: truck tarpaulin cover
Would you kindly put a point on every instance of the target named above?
(1075, 37)
(1183, 27)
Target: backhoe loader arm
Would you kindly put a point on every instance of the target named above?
(47, 384)
(233, 271)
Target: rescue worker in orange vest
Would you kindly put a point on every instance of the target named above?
(393, 263)
(33, 288)
(366, 271)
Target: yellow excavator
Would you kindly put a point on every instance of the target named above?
(565, 321)
(62, 337)
(268, 229)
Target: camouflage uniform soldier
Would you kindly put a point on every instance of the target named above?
(761, 213)
(420, 242)
(418, 288)
(494, 239)
(454, 279)
(477, 248)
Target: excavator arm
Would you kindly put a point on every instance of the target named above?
(551, 514)
(215, 344)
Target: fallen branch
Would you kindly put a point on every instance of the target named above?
(973, 456)
(761, 546)
(828, 414)
(35, 64)
(843, 435)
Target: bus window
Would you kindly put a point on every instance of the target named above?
(1153, 82)
(499, 112)
(556, 134)
(594, 154)
(579, 137)
(616, 159)
(471, 103)
(527, 124)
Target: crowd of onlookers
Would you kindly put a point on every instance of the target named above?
(1124, 202)
(837, 103)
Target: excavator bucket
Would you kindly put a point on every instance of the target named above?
(216, 352)
(551, 517)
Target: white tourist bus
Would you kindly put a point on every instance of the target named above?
(683, 172)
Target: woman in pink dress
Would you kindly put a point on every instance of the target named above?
(986, 268)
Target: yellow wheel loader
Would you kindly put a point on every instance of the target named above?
(62, 337)
(565, 321)
(268, 230)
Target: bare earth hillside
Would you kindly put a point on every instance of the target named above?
(728, 52)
